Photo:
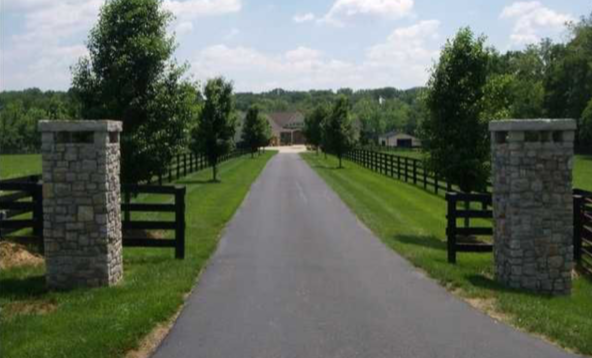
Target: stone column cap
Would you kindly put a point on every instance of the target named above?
(80, 126)
(515, 125)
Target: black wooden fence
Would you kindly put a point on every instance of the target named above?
(136, 233)
(463, 237)
(188, 162)
(583, 229)
(407, 169)
(21, 209)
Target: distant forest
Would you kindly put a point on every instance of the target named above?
(379, 110)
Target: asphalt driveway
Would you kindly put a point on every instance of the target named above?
(297, 275)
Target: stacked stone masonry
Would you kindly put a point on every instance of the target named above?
(81, 203)
(533, 204)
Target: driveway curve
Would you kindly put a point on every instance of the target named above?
(297, 275)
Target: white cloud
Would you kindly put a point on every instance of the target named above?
(53, 31)
(303, 18)
(343, 9)
(42, 54)
(532, 21)
(401, 61)
(193, 9)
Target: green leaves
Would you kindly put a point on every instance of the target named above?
(454, 135)
(338, 133)
(313, 125)
(129, 76)
(216, 122)
(256, 130)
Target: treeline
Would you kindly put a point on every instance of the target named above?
(21, 110)
(378, 110)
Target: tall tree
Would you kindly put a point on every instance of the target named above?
(313, 126)
(455, 135)
(215, 127)
(129, 76)
(256, 130)
(338, 132)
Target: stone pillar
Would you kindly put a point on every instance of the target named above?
(533, 204)
(81, 203)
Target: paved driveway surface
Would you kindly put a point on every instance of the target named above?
(297, 275)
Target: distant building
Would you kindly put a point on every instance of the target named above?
(402, 140)
(286, 128)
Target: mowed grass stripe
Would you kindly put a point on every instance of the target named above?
(108, 322)
(412, 222)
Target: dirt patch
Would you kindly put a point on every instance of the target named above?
(149, 343)
(29, 308)
(488, 305)
(147, 234)
(15, 255)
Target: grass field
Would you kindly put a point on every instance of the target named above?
(108, 322)
(18, 165)
(582, 175)
(412, 222)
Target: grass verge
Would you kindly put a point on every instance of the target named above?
(108, 322)
(19, 165)
(412, 222)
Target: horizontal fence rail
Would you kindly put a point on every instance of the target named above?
(463, 238)
(21, 206)
(189, 162)
(21, 210)
(136, 232)
(407, 169)
(583, 229)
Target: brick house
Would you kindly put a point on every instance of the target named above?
(286, 128)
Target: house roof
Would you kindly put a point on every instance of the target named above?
(392, 134)
(286, 119)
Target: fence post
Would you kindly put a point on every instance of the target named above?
(451, 227)
(436, 182)
(126, 212)
(415, 171)
(406, 169)
(180, 223)
(425, 176)
(38, 216)
(391, 166)
(398, 167)
(577, 236)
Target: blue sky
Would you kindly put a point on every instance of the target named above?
(265, 44)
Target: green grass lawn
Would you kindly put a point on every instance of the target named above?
(582, 175)
(108, 322)
(18, 165)
(412, 222)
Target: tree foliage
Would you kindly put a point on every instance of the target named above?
(215, 127)
(21, 110)
(313, 126)
(129, 76)
(455, 135)
(256, 130)
(338, 132)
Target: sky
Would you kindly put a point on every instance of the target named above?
(299, 45)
